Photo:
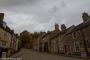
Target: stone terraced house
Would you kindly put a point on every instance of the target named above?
(74, 40)
(8, 39)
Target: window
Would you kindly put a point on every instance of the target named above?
(77, 46)
(3, 44)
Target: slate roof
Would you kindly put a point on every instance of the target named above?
(6, 29)
(70, 29)
(78, 27)
(82, 25)
(51, 35)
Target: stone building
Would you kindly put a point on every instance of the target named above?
(67, 40)
(14, 43)
(55, 44)
(5, 37)
(36, 45)
(76, 41)
(82, 33)
(44, 43)
(49, 41)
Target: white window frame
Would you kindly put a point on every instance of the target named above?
(78, 44)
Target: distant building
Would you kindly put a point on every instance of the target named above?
(47, 43)
(14, 43)
(36, 42)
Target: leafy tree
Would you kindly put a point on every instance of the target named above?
(35, 35)
(26, 37)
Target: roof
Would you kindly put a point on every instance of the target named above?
(55, 35)
(79, 27)
(46, 34)
(70, 29)
(6, 29)
(52, 34)
(82, 25)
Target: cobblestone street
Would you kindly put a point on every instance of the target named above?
(27, 54)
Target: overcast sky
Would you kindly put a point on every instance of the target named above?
(41, 15)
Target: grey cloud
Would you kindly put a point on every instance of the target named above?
(10, 3)
(41, 15)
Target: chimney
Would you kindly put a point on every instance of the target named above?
(85, 17)
(63, 27)
(56, 27)
(1, 16)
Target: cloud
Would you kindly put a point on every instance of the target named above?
(41, 15)
(11, 3)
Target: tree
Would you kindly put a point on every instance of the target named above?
(35, 35)
(26, 37)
